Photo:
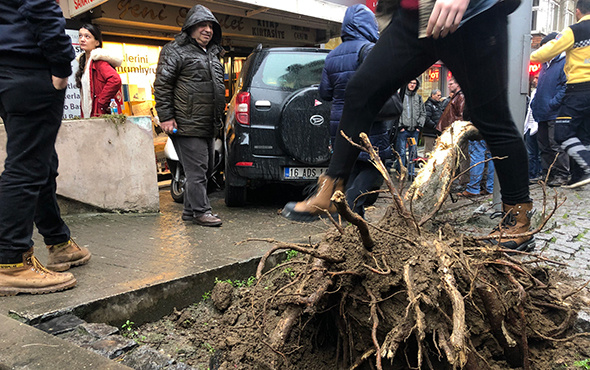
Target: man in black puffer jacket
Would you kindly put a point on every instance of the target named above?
(190, 100)
(434, 110)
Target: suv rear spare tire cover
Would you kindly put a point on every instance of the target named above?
(304, 129)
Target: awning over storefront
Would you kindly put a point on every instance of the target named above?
(244, 22)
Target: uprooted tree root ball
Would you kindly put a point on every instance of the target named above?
(399, 294)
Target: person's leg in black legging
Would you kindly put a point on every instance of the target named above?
(477, 56)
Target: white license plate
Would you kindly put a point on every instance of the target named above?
(303, 173)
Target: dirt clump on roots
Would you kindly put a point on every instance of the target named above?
(399, 294)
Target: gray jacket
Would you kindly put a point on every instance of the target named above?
(413, 112)
(189, 80)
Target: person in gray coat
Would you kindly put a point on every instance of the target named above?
(411, 121)
(190, 100)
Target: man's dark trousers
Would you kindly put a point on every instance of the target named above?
(32, 112)
(196, 155)
(549, 148)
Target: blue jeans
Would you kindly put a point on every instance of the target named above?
(532, 148)
(480, 44)
(478, 152)
(32, 111)
(402, 139)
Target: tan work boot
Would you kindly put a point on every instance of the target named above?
(313, 207)
(65, 255)
(517, 220)
(30, 276)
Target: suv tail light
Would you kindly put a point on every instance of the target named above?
(243, 108)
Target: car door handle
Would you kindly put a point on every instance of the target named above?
(262, 104)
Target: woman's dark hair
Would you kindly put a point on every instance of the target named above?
(95, 31)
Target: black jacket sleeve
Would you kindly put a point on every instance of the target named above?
(46, 21)
(166, 75)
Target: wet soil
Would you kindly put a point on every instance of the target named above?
(234, 327)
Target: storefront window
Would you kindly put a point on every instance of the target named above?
(138, 73)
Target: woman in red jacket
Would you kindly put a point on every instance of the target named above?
(96, 77)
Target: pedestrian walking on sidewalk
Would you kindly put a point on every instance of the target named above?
(455, 111)
(572, 127)
(468, 36)
(545, 106)
(96, 77)
(35, 56)
(478, 153)
(411, 122)
(434, 110)
(190, 100)
(531, 129)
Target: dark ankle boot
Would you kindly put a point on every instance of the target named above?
(316, 205)
(517, 220)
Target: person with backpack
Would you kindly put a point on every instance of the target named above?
(359, 33)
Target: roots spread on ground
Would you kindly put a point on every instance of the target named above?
(398, 294)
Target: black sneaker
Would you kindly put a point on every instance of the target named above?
(577, 182)
(557, 181)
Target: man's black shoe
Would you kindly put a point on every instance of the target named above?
(576, 183)
(557, 181)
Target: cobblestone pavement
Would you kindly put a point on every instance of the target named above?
(565, 238)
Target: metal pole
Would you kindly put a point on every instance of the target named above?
(519, 49)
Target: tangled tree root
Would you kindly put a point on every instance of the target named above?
(396, 295)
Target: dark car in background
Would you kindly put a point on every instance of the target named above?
(277, 127)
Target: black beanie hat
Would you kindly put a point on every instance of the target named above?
(548, 38)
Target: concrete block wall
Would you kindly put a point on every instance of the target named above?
(106, 165)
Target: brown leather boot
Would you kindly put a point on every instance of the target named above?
(517, 220)
(313, 207)
(30, 276)
(65, 255)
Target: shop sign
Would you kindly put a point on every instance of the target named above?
(534, 68)
(72, 100)
(165, 15)
(371, 4)
(137, 71)
(433, 73)
(80, 6)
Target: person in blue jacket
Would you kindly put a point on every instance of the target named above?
(35, 57)
(545, 106)
(359, 34)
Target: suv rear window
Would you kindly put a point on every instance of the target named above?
(290, 71)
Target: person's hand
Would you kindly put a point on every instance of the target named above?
(168, 126)
(445, 17)
(59, 83)
(402, 129)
